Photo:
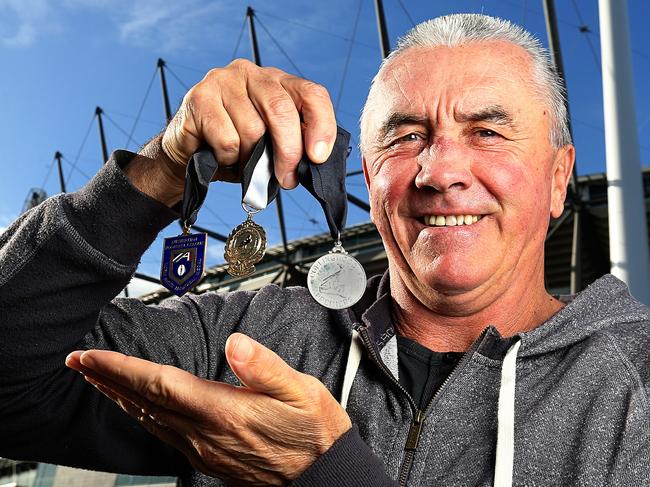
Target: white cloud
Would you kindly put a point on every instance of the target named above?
(22, 21)
(163, 24)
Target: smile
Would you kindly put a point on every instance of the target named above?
(451, 220)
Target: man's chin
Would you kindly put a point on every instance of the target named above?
(451, 281)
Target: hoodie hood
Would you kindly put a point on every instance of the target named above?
(605, 304)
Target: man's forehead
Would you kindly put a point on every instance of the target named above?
(467, 80)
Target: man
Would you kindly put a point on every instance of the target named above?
(457, 368)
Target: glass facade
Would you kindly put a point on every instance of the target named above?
(138, 480)
(29, 474)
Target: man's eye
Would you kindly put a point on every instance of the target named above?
(487, 133)
(412, 137)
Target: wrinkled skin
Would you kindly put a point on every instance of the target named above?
(472, 137)
(462, 131)
(266, 432)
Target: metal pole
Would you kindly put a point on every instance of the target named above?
(574, 190)
(58, 156)
(102, 136)
(210, 233)
(384, 43)
(576, 256)
(556, 56)
(147, 278)
(628, 236)
(250, 13)
(165, 93)
(358, 202)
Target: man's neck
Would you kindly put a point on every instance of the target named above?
(514, 312)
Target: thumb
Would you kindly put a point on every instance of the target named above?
(262, 370)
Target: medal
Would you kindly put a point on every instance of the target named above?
(245, 246)
(336, 280)
(183, 263)
(183, 259)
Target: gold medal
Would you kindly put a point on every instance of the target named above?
(245, 246)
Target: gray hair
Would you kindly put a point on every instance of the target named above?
(458, 29)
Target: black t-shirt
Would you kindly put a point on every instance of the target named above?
(422, 371)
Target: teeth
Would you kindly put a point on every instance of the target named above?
(451, 220)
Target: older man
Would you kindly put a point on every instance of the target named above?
(457, 368)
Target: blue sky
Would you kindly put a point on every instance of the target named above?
(59, 59)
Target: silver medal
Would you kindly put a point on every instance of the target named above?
(336, 280)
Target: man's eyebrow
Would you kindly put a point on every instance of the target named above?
(495, 114)
(397, 120)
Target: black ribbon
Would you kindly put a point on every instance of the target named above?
(326, 181)
(200, 171)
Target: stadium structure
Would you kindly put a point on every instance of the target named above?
(577, 252)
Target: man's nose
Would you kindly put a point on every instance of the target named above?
(444, 166)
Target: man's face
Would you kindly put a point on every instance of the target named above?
(461, 132)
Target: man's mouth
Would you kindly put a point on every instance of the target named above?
(450, 220)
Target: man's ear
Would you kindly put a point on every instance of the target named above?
(365, 172)
(561, 177)
(364, 165)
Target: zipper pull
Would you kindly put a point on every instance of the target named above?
(414, 431)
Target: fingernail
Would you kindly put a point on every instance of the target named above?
(290, 180)
(320, 150)
(243, 349)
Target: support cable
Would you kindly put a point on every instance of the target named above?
(310, 218)
(137, 117)
(118, 127)
(339, 96)
(131, 117)
(180, 81)
(584, 29)
(241, 33)
(47, 176)
(281, 49)
(189, 68)
(81, 147)
(64, 158)
(401, 4)
(315, 29)
(216, 215)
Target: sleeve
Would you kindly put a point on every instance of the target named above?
(61, 264)
(348, 463)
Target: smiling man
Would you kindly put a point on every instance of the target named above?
(456, 368)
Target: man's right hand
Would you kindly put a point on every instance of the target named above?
(229, 110)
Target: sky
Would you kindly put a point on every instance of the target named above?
(59, 59)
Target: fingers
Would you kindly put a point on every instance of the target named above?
(162, 385)
(314, 103)
(261, 370)
(232, 107)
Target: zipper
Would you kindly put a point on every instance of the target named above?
(413, 437)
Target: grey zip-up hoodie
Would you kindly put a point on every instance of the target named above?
(564, 404)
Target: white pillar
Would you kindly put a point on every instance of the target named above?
(628, 236)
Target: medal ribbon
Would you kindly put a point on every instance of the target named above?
(200, 171)
(326, 181)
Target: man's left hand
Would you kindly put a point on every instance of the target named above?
(266, 432)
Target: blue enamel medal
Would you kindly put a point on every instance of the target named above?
(183, 259)
(183, 262)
